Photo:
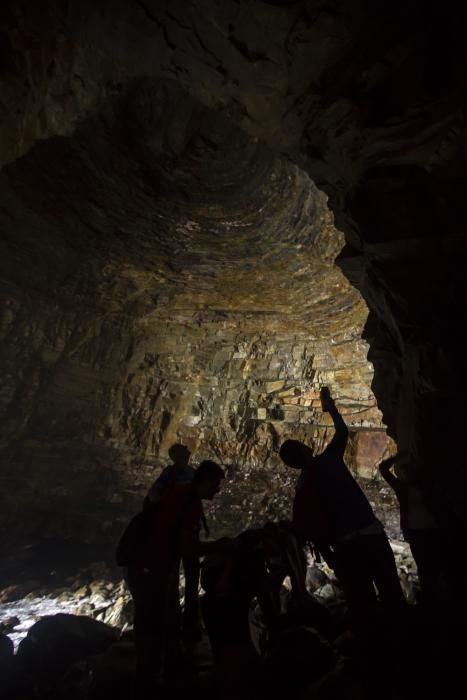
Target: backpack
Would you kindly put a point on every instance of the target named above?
(133, 546)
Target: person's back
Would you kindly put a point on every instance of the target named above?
(230, 582)
(339, 504)
(238, 573)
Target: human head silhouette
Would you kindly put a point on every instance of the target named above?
(179, 454)
(295, 454)
(207, 479)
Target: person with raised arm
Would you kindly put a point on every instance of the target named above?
(331, 511)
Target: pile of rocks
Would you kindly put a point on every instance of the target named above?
(96, 592)
(93, 610)
(99, 592)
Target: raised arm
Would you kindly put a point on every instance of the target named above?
(339, 441)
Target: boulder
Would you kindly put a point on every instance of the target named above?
(6, 650)
(56, 642)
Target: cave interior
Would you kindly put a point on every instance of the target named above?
(208, 211)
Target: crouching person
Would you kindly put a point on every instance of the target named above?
(171, 533)
(231, 581)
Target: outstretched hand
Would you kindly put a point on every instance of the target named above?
(327, 402)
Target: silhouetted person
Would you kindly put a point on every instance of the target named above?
(231, 581)
(420, 528)
(332, 512)
(179, 472)
(154, 579)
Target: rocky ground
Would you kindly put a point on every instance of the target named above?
(62, 576)
(99, 592)
(50, 589)
(95, 594)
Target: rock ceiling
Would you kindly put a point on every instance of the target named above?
(179, 180)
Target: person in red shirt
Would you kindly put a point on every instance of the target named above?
(179, 472)
(153, 580)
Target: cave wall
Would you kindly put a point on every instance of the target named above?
(122, 102)
(152, 299)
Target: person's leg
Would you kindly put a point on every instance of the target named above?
(148, 592)
(353, 572)
(208, 615)
(172, 625)
(391, 655)
(238, 661)
(427, 553)
(383, 570)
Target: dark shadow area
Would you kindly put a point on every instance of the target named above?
(48, 563)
